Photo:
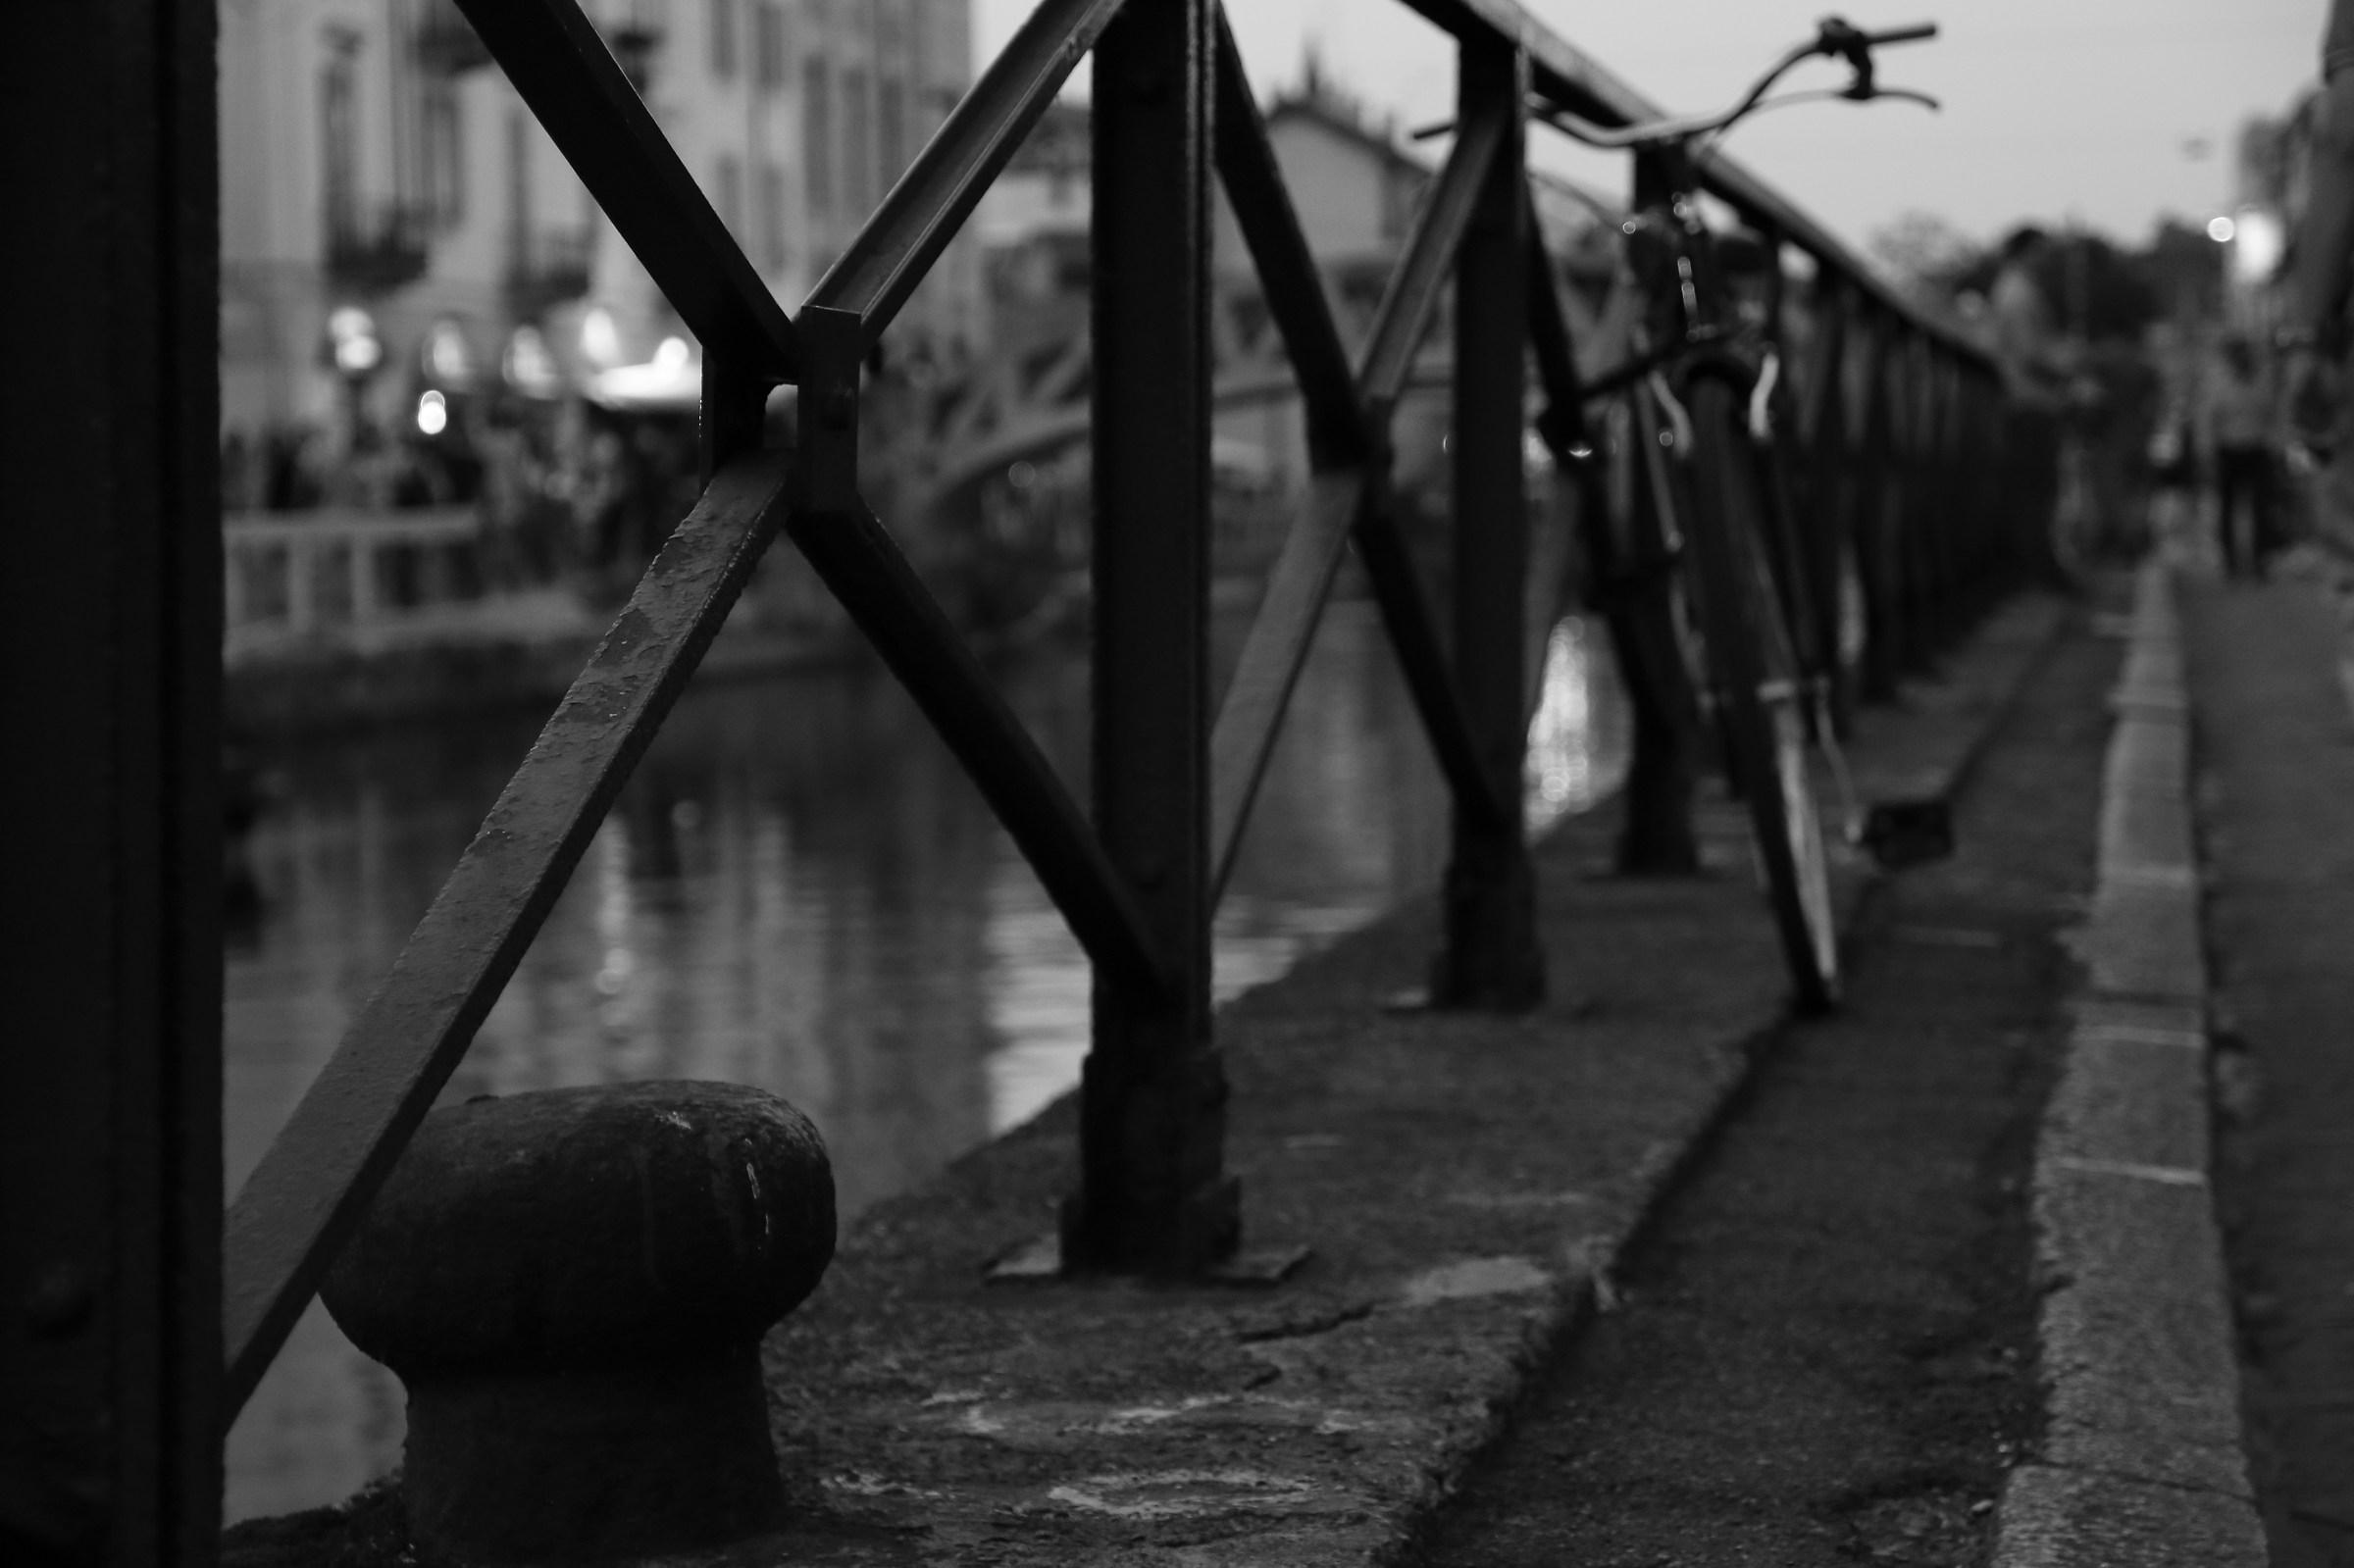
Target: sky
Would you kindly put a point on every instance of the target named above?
(2057, 110)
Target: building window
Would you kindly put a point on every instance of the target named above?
(731, 193)
(519, 191)
(857, 144)
(723, 39)
(440, 129)
(817, 135)
(772, 217)
(1396, 205)
(338, 139)
(890, 111)
(768, 43)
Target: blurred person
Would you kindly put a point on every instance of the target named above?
(2321, 259)
(2174, 480)
(2236, 414)
(2022, 333)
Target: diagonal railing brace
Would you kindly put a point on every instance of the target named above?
(1348, 417)
(336, 1150)
(558, 62)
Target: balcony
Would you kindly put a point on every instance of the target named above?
(375, 248)
(445, 41)
(545, 267)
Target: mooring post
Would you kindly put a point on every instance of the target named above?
(573, 1285)
(1490, 957)
(1152, 1194)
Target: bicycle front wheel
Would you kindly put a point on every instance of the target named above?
(1755, 669)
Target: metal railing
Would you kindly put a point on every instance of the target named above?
(1897, 443)
(287, 576)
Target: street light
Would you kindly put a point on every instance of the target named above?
(2221, 229)
(2257, 244)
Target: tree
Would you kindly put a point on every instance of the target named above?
(1927, 255)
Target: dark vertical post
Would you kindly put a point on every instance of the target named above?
(1831, 484)
(1953, 568)
(1152, 1194)
(110, 802)
(1490, 958)
(1655, 836)
(1874, 518)
(733, 405)
(1902, 526)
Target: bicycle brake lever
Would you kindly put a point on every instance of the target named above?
(1839, 38)
(1908, 95)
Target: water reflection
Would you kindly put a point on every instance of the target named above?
(799, 890)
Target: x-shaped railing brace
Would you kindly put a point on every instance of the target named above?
(344, 1138)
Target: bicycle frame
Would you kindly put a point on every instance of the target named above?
(1741, 551)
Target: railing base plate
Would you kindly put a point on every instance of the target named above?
(1038, 1261)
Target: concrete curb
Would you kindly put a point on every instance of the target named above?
(2142, 1459)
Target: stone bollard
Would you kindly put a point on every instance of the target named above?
(573, 1285)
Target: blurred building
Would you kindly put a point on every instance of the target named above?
(387, 201)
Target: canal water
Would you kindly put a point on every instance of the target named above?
(799, 889)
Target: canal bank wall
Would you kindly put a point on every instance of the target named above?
(1464, 1183)
(488, 660)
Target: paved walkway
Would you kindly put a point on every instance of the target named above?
(1825, 1351)
(2276, 750)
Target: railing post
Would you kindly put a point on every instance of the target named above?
(1878, 498)
(1953, 560)
(110, 805)
(361, 564)
(302, 584)
(1153, 1195)
(1490, 957)
(232, 586)
(731, 410)
(1831, 485)
(1655, 837)
(1918, 515)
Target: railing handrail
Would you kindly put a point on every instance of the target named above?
(1573, 78)
(330, 525)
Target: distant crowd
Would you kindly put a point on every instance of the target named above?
(2181, 435)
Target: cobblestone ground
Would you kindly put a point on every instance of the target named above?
(1823, 1351)
(2275, 756)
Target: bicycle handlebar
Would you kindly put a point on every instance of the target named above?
(1834, 37)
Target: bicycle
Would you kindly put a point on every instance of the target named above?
(1716, 380)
